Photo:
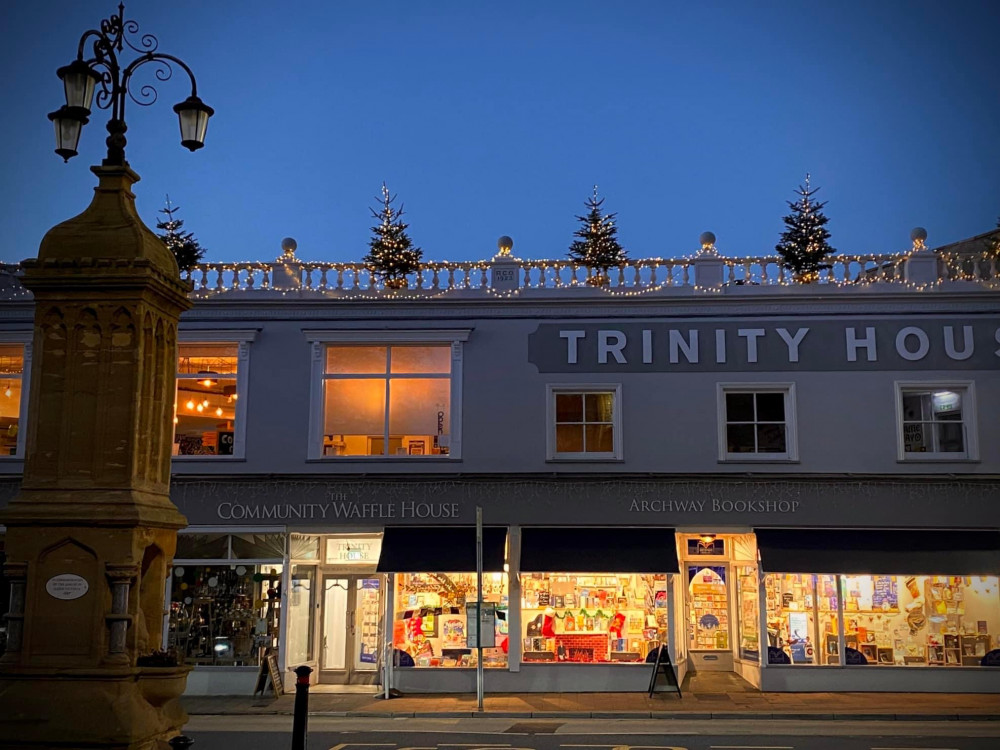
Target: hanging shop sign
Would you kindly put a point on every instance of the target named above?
(67, 586)
(772, 346)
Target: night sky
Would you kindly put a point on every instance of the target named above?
(498, 118)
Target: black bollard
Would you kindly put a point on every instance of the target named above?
(180, 742)
(301, 714)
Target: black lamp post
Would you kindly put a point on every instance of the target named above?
(104, 74)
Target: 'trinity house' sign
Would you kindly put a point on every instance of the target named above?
(801, 344)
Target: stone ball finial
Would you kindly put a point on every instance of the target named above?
(706, 239)
(918, 234)
(288, 246)
(505, 244)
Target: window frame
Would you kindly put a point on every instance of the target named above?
(554, 389)
(242, 339)
(791, 453)
(968, 391)
(25, 338)
(319, 340)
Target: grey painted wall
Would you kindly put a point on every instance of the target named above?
(845, 415)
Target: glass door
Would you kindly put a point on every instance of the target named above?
(708, 617)
(351, 630)
(367, 632)
(334, 630)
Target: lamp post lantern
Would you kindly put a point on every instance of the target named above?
(104, 73)
(85, 669)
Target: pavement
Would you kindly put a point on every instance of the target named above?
(706, 697)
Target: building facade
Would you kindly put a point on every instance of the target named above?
(798, 483)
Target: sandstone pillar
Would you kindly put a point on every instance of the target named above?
(91, 536)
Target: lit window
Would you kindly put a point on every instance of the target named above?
(935, 421)
(756, 422)
(11, 379)
(386, 394)
(210, 399)
(584, 423)
(387, 401)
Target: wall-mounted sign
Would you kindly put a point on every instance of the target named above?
(766, 346)
(67, 586)
(353, 550)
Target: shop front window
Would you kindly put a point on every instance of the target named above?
(207, 398)
(224, 615)
(592, 617)
(387, 400)
(749, 612)
(430, 623)
(889, 620)
(802, 619)
(917, 621)
(11, 379)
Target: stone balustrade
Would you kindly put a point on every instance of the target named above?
(289, 275)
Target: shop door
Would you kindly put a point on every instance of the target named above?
(350, 629)
(709, 617)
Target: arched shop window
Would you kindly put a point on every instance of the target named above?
(224, 598)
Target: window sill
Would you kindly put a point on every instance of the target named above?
(936, 459)
(384, 459)
(11, 458)
(585, 460)
(749, 458)
(222, 459)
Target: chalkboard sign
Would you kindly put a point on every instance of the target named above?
(269, 669)
(885, 595)
(662, 665)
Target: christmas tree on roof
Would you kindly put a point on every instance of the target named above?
(183, 245)
(803, 246)
(391, 255)
(598, 247)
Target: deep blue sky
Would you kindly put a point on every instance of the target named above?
(497, 118)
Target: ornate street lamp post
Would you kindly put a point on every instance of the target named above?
(92, 533)
(105, 74)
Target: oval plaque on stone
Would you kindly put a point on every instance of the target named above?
(67, 586)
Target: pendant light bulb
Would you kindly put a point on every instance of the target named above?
(218, 412)
(8, 392)
(190, 405)
(200, 408)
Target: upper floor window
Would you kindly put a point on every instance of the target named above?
(13, 397)
(584, 422)
(935, 421)
(210, 403)
(393, 395)
(757, 422)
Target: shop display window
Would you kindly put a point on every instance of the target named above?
(387, 400)
(889, 620)
(11, 378)
(749, 611)
(592, 617)
(918, 621)
(205, 406)
(802, 619)
(935, 422)
(224, 615)
(429, 622)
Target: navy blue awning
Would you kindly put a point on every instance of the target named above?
(911, 552)
(441, 549)
(603, 550)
